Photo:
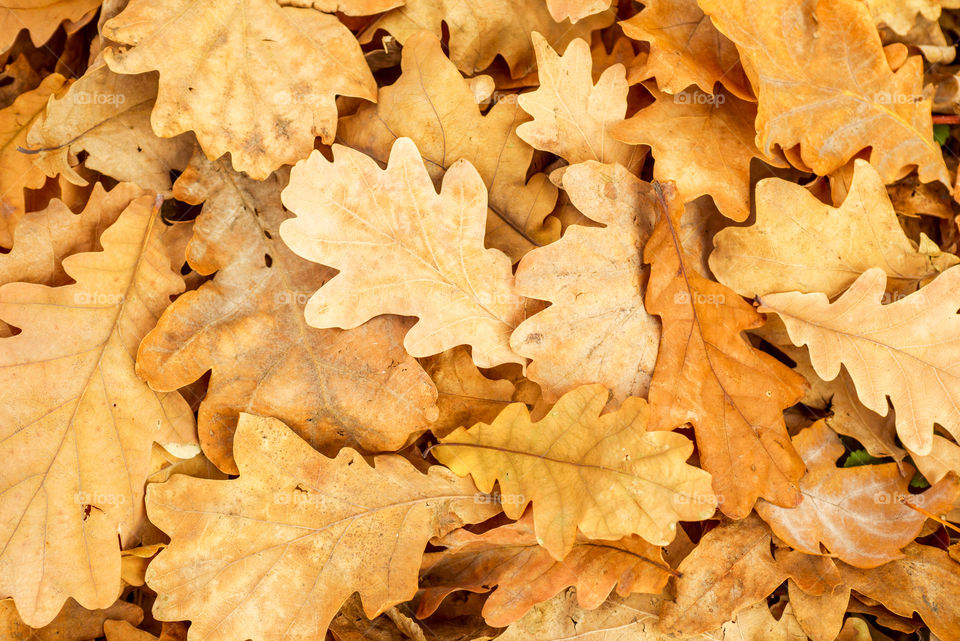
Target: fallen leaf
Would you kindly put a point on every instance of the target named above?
(709, 375)
(823, 83)
(521, 573)
(77, 422)
(857, 513)
(439, 112)
(686, 49)
(123, 631)
(801, 244)
(575, 10)
(604, 474)
(572, 115)
(687, 132)
(403, 249)
(318, 529)
(41, 19)
(107, 116)
(596, 328)
(265, 115)
(887, 349)
(333, 387)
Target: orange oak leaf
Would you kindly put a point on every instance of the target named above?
(596, 329)
(314, 528)
(434, 106)
(926, 581)
(522, 573)
(730, 569)
(686, 49)
(906, 350)
(41, 19)
(333, 387)
(72, 623)
(17, 171)
(823, 83)
(572, 115)
(858, 513)
(687, 133)
(251, 78)
(77, 423)
(479, 31)
(605, 474)
(709, 375)
(574, 10)
(401, 248)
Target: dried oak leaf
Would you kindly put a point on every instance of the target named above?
(41, 19)
(464, 394)
(907, 350)
(944, 457)
(604, 474)
(479, 31)
(902, 15)
(44, 238)
(858, 513)
(72, 623)
(77, 423)
(757, 623)
(401, 248)
(799, 243)
(17, 77)
(17, 171)
(107, 115)
(249, 77)
(434, 106)
(687, 137)
(686, 49)
(823, 83)
(709, 375)
(820, 616)
(925, 581)
(730, 569)
(299, 524)
(124, 631)
(522, 573)
(596, 329)
(246, 326)
(571, 115)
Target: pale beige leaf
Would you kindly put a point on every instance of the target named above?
(249, 77)
(73, 623)
(301, 525)
(41, 18)
(401, 248)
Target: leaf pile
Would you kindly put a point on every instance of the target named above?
(461, 321)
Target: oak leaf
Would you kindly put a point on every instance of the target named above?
(823, 83)
(41, 19)
(858, 513)
(434, 106)
(401, 248)
(800, 244)
(731, 569)
(77, 422)
(901, 15)
(686, 49)
(107, 116)
(479, 31)
(820, 616)
(572, 115)
(926, 581)
(72, 623)
(317, 529)
(525, 574)
(687, 133)
(602, 473)
(944, 457)
(17, 77)
(265, 115)
(596, 329)
(124, 631)
(17, 171)
(332, 387)
(887, 349)
(709, 375)
(575, 10)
